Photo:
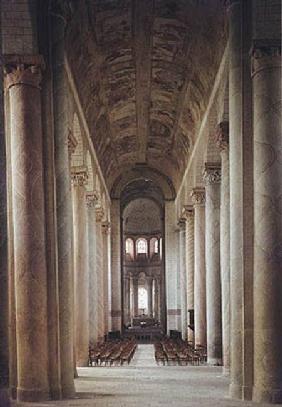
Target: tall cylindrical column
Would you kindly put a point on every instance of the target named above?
(241, 199)
(116, 265)
(156, 300)
(92, 298)
(183, 277)
(100, 272)
(63, 208)
(4, 273)
(81, 271)
(189, 247)
(126, 290)
(222, 139)
(268, 222)
(212, 178)
(106, 232)
(200, 327)
(150, 296)
(22, 82)
(135, 297)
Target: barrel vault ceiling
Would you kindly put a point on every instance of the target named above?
(144, 70)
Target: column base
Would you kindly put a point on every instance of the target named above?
(32, 395)
(214, 361)
(261, 395)
(82, 363)
(68, 392)
(247, 393)
(56, 393)
(5, 397)
(225, 371)
(235, 391)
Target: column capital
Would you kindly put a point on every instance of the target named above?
(266, 54)
(187, 212)
(72, 142)
(221, 136)
(79, 176)
(212, 174)
(181, 224)
(106, 227)
(23, 70)
(91, 200)
(99, 214)
(198, 196)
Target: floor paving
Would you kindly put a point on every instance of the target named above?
(144, 384)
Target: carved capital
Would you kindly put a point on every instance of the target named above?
(72, 142)
(23, 70)
(222, 136)
(198, 196)
(91, 200)
(79, 176)
(106, 227)
(187, 212)
(212, 174)
(181, 224)
(266, 54)
(99, 214)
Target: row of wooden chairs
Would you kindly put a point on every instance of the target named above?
(178, 352)
(112, 353)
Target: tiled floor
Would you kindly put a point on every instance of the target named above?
(144, 384)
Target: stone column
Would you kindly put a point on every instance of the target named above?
(126, 289)
(22, 82)
(156, 300)
(200, 328)
(4, 273)
(81, 271)
(212, 178)
(100, 272)
(189, 248)
(222, 140)
(150, 296)
(183, 276)
(241, 199)
(63, 208)
(106, 232)
(116, 264)
(92, 299)
(135, 297)
(268, 222)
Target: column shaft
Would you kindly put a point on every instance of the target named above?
(150, 297)
(135, 297)
(100, 274)
(92, 301)
(200, 327)
(241, 200)
(4, 274)
(29, 234)
(222, 137)
(81, 271)
(212, 179)
(63, 209)
(183, 277)
(116, 265)
(190, 253)
(268, 223)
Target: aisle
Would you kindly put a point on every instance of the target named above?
(144, 356)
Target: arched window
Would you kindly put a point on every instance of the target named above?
(129, 247)
(141, 246)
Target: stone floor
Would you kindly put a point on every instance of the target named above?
(144, 384)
